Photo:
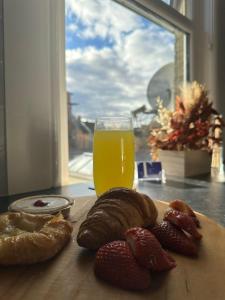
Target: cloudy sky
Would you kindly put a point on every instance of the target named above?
(111, 54)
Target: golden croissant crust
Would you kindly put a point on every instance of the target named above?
(27, 239)
(112, 214)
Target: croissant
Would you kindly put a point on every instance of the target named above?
(112, 214)
(27, 239)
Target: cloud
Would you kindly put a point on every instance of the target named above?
(72, 27)
(113, 79)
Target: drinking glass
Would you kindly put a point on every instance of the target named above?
(113, 153)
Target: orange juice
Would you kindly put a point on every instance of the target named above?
(113, 159)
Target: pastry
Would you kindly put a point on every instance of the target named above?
(113, 213)
(28, 239)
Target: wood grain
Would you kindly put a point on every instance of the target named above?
(70, 274)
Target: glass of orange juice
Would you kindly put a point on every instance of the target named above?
(113, 153)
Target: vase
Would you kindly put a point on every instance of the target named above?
(186, 163)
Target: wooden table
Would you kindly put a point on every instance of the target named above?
(70, 274)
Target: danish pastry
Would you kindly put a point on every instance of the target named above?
(112, 214)
(28, 239)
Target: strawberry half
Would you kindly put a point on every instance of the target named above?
(184, 208)
(116, 264)
(174, 239)
(148, 251)
(183, 221)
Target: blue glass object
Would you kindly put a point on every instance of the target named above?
(149, 171)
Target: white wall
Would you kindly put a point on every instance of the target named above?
(29, 119)
(219, 29)
(3, 181)
(209, 50)
(203, 65)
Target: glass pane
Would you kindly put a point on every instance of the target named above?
(118, 62)
(182, 6)
(81, 166)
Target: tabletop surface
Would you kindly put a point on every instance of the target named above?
(205, 195)
(70, 274)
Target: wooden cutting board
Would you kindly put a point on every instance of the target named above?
(70, 274)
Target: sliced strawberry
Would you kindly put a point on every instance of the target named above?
(147, 250)
(184, 208)
(174, 239)
(116, 264)
(183, 221)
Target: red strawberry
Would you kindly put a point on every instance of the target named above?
(147, 250)
(184, 208)
(174, 239)
(183, 221)
(116, 264)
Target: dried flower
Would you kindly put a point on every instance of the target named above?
(194, 124)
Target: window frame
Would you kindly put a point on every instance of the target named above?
(143, 7)
(162, 10)
(170, 15)
(59, 96)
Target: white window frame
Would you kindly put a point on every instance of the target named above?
(61, 146)
(57, 127)
(158, 8)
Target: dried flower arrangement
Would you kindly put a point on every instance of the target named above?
(194, 124)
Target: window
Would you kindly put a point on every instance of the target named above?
(118, 61)
(182, 6)
(35, 106)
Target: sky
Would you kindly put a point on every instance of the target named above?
(166, 1)
(111, 55)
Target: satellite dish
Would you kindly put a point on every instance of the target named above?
(161, 85)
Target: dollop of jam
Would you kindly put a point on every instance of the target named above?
(40, 203)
